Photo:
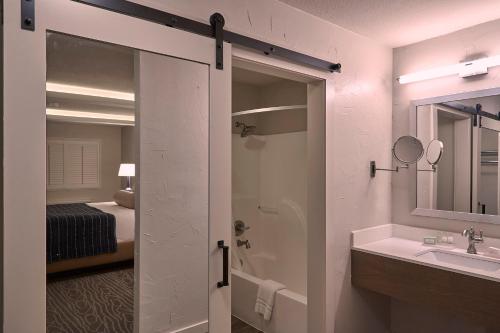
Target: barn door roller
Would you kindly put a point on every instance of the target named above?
(28, 15)
(217, 22)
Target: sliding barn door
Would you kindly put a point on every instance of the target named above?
(184, 108)
(173, 244)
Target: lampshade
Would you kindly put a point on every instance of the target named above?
(127, 169)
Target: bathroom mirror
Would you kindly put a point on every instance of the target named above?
(461, 134)
(434, 152)
(408, 149)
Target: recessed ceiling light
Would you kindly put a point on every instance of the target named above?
(89, 115)
(86, 91)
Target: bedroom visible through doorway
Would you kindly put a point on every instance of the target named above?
(90, 173)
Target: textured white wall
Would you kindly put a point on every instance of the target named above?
(483, 40)
(173, 222)
(358, 127)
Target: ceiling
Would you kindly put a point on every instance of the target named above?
(85, 63)
(401, 22)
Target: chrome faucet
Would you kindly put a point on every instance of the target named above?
(473, 239)
(245, 243)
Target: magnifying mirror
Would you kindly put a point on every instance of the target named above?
(434, 152)
(408, 150)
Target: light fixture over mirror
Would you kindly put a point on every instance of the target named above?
(463, 69)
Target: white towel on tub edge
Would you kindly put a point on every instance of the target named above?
(265, 297)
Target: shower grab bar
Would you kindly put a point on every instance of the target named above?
(268, 210)
(225, 264)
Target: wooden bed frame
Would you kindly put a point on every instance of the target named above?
(124, 252)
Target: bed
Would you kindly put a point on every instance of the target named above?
(122, 225)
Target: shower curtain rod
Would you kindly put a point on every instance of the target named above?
(213, 30)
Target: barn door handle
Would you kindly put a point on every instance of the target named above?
(225, 264)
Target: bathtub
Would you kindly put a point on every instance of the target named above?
(290, 308)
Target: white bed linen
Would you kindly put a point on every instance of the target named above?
(125, 219)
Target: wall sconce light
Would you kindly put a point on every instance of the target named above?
(463, 69)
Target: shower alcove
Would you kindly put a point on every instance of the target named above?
(269, 197)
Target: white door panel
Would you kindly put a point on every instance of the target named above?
(173, 111)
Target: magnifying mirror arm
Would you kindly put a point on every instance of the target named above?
(374, 169)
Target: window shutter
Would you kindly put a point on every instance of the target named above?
(90, 165)
(73, 163)
(55, 164)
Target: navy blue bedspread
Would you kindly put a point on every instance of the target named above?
(78, 230)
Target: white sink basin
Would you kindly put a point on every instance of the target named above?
(460, 260)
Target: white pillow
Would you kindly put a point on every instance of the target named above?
(125, 199)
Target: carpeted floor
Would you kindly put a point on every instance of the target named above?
(99, 302)
(96, 302)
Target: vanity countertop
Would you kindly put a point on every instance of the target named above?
(406, 243)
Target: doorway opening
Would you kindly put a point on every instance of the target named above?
(270, 185)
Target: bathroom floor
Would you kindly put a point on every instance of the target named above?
(237, 326)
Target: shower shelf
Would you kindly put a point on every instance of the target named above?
(270, 109)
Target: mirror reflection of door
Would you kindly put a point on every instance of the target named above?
(487, 179)
(449, 187)
(488, 174)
